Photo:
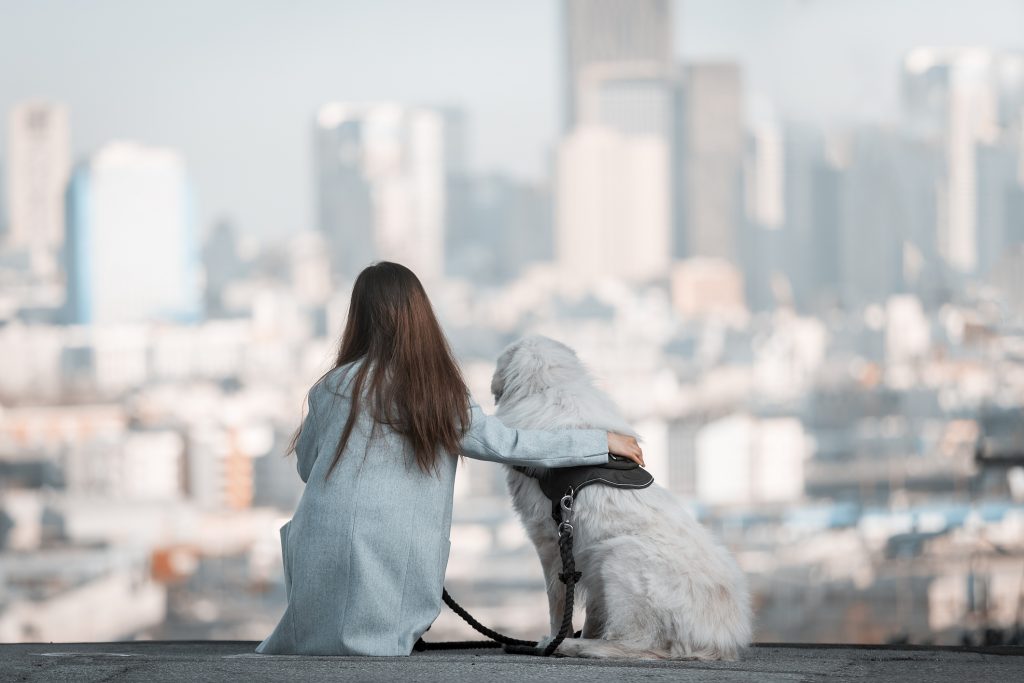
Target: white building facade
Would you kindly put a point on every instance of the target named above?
(132, 250)
(613, 213)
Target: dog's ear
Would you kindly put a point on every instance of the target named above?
(497, 385)
(498, 378)
(501, 369)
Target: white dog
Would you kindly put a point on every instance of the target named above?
(655, 583)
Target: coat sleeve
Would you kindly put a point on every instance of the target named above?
(307, 447)
(488, 438)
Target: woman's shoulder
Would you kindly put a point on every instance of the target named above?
(337, 380)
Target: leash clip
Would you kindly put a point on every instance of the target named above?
(566, 504)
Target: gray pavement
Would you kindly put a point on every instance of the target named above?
(229, 660)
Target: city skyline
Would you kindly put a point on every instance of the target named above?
(658, 164)
(817, 331)
(210, 104)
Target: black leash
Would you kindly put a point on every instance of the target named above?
(494, 636)
(569, 577)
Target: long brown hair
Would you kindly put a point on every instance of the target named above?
(416, 386)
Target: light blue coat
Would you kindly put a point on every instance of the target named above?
(366, 550)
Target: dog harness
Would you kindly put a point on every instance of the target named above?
(557, 482)
(560, 485)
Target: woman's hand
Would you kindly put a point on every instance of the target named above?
(626, 446)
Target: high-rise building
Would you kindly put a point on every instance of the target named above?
(1008, 276)
(613, 204)
(222, 264)
(613, 208)
(888, 203)
(619, 62)
(958, 99)
(381, 179)
(761, 244)
(503, 225)
(808, 246)
(823, 270)
(38, 160)
(710, 169)
(999, 184)
(132, 252)
(765, 176)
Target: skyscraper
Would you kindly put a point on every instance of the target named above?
(888, 206)
(38, 160)
(619, 62)
(222, 264)
(131, 243)
(614, 169)
(999, 183)
(790, 244)
(711, 164)
(960, 99)
(761, 246)
(503, 225)
(613, 208)
(381, 180)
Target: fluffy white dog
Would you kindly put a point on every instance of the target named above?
(655, 583)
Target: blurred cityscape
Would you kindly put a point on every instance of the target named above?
(819, 334)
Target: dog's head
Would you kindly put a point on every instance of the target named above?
(532, 364)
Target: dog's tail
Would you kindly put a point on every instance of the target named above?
(599, 648)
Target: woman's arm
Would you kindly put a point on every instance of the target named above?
(306, 448)
(488, 438)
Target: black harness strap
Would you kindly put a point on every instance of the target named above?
(556, 482)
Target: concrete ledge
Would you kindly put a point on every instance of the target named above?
(233, 660)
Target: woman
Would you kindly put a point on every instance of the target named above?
(366, 550)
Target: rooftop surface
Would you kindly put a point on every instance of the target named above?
(234, 660)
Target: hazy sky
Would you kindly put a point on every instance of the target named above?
(234, 83)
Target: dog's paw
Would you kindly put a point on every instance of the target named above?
(544, 642)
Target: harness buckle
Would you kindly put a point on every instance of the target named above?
(567, 507)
